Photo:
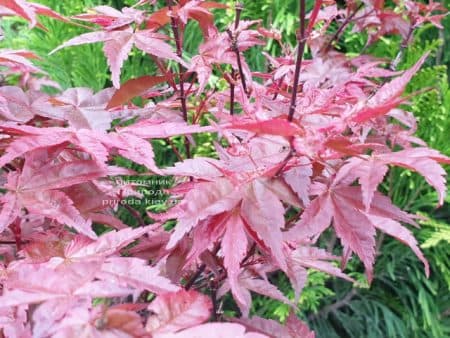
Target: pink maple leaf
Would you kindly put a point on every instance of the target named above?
(172, 312)
(118, 44)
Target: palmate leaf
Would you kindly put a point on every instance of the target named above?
(371, 170)
(293, 327)
(353, 225)
(172, 312)
(215, 330)
(234, 243)
(91, 268)
(30, 11)
(118, 45)
(388, 97)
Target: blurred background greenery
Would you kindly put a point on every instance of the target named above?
(401, 302)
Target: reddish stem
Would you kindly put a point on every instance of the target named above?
(179, 46)
(341, 28)
(239, 7)
(301, 38)
(200, 270)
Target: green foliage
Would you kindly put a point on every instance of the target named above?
(437, 232)
(84, 66)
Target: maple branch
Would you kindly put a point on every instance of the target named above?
(200, 270)
(286, 160)
(301, 41)
(335, 306)
(175, 150)
(235, 48)
(213, 288)
(233, 75)
(341, 28)
(179, 46)
(239, 7)
(194, 277)
(135, 214)
(165, 72)
(278, 84)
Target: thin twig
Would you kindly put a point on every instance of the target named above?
(279, 84)
(235, 48)
(301, 39)
(175, 150)
(233, 75)
(176, 34)
(200, 270)
(335, 306)
(194, 277)
(165, 72)
(286, 160)
(213, 288)
(135, 214)
(239, 7)
(341, 28)
(201, 107)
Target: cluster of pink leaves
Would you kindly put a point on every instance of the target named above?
(61, 279)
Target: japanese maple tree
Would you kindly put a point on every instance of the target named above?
(299, 148)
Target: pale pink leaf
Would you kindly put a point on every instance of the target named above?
(206, 200)
(10, 210)
(425, 162)
(355, 231)
(299, 179)
(234, 246)
(314, 220)
(172, 312)
(62, 175)
(91, 37)
(107, 244)
(370, 172)
(396, 230)
(263, 287)
(264, 214)
(56, 205)
(136, 273)
(153, 44)
(318, 259)
(116, 51)
(214, 330)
